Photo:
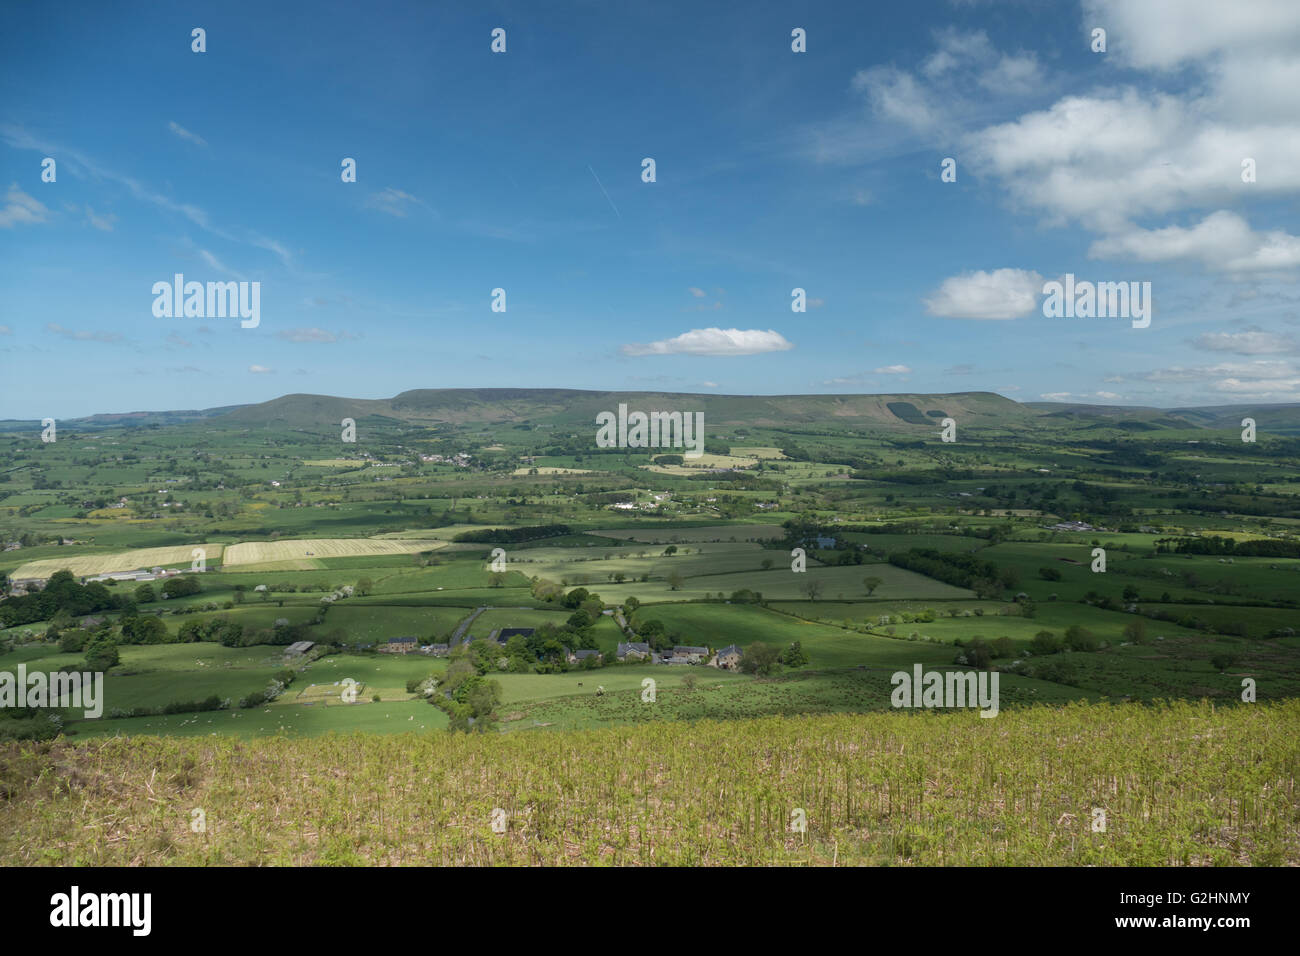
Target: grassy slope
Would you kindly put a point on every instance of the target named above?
(1186, 784)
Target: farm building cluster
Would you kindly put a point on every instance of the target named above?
(728, 658)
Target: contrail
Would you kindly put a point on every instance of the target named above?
(602, 189)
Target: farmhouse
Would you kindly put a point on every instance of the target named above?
(298, 648)
(576, 657)
(504, 635)
(1073, 526)
(692, 654)
(634, 650)
(400, 645)
(437, 650)
(140, 575)
(728, 658)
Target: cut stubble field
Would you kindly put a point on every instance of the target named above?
(263, 552)
(90, 564)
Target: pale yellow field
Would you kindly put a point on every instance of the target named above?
(693, 466)
(89, 564)
(261, 552)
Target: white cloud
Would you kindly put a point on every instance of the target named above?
(395, 202)
(1252, 341)
(956, 48)
(1000, 294)
(5, 330)
(260, 370)
(1055, 396)
(714, 341)
(1221, 241)
(310, 335)
(103, 223)
(21, 208)
(1107, 156)
(82, 164)
(1164, 34)
(893, 370)
(896, 96)
(185, 134)
(213, 262)
(1261, 380)
(698, 293)
(83, 335)
(1016, 75)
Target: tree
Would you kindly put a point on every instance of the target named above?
(101, 655)
(670, 550)
(575, 598)
(181, 586)
(144, 594)
(473, 703)
(1136, 631)
(675, 580)
(812, 587)
(363, 586)
(497, 578)
(72, 640)
(1223, 661)
(688, 683)
(871, 583)
(977, 654)
(1080, 639)
(1049, 574)
(1045, 642)
(794, 656)
(144, 630)
(759, 659)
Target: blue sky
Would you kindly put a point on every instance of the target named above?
(522, 170)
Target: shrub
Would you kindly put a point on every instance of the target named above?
(1044, 643)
